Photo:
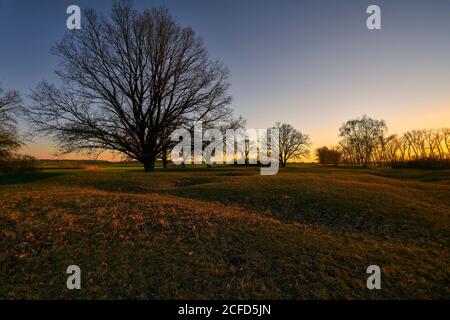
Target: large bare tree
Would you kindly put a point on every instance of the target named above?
(128, 81)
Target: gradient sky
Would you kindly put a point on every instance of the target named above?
(313, 64)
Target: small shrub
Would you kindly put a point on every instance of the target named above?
(327, 155)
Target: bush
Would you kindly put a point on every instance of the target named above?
(327, 155)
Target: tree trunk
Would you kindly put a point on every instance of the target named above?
(149, 165)
(164, 158)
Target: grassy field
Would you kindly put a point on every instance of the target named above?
(225, 232)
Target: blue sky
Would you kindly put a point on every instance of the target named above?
(313, 64)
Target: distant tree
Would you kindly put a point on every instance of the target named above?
(293, 144)
(446, 140)
(392, 146)
(416, 143)
(243, 150)
(128, 82)
(9, 143)
(10, 106)
(327, 155)
(361, 137)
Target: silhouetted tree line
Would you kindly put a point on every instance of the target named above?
(292, 144)
(422, 149)
(365, 142)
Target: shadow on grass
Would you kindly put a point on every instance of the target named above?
(220, 169)
(419, 175)
(26, 177)
(408, 174)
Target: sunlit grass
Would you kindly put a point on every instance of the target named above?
(308, 232)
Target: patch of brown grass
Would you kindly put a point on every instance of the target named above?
(204, 235)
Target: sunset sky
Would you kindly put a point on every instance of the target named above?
(312, 64)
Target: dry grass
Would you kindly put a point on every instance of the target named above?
(305, 233)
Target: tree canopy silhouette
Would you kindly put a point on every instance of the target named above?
(128, 81)
(9, 139)
(292, 143)
(362, 136)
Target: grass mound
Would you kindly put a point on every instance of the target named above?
(305, 233)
